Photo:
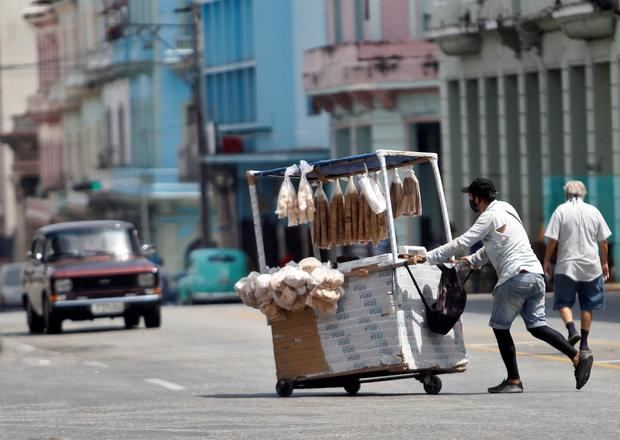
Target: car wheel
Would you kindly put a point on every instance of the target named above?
(36, 324)
(152, 318)
(53, 324)
(131, 320)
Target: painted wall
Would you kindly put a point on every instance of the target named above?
(17, 46)
(253, 72)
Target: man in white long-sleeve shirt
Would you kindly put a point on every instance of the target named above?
(520, 287)
(579, 233)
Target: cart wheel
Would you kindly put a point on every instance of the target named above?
(284, 388)
(432, 385)
(352, 387)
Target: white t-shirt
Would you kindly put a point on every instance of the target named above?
(578, 227)
(505, 243)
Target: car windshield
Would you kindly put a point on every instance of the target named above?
(13, 276)
(91, 241)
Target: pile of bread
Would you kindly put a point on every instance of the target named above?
(292, 287)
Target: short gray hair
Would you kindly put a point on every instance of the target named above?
(575, 188)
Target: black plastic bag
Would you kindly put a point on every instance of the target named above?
(444, 313)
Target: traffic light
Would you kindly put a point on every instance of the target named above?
(87, 185)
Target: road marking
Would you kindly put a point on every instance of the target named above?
(44, 362)
(615, 361)
(95, 364)
(165, 384)
(549, 357)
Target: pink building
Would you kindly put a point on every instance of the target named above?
(42, 108)
(378, 79)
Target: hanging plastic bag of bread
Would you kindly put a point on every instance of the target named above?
(362, 206)
(287, 205)
(396, 192)
(372, 192)
(350, 213)
(320, 226)
(412, 200)
(336, 216)
(304, 195)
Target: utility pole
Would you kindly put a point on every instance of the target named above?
(198, 95)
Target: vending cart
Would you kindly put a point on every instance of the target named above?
(378, 331)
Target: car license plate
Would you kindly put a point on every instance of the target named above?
(107, 308)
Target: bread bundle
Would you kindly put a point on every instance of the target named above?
(287, 204)
(396, 192)
(292, 287)
(320, 226)
(411, 204)
(305, 200)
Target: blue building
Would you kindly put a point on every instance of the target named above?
(147, 123)
(253, 77)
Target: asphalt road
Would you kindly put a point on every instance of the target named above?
(209, 373)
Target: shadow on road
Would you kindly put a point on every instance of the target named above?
(334, 394)
(73, 331)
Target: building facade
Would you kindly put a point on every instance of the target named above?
(17, 81)
(377, 79)
(253, 65)
(530, 99)
(112, 113)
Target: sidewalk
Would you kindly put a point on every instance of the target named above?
(613, 286)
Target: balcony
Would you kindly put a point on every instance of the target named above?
(361, 71)
(180, 56)
(585, 21)
(41, 109)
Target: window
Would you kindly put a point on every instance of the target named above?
(228, 32)
(342, 142)
(123, 159)
(311, 108)
(359, 19)
(363, 140)
(337, 21)
(231, 96)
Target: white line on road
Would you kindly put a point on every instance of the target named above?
(165, 384)
(96, 364)
(615, 361)
(44, 362)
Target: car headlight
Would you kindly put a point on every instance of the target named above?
(63, 285)
(146, 279)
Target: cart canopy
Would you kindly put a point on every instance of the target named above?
(352, 165)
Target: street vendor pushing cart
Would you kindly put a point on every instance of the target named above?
(343, 323)
(520, 287)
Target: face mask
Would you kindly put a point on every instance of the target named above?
(474, 206)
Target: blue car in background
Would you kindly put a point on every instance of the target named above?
(211, 275)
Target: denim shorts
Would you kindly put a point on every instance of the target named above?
(591, 293)
(522, 294)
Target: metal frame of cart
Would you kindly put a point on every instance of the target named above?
(382, 160)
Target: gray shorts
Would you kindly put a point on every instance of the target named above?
(522, 294)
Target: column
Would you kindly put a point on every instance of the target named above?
(533, 153)
(492, 124)
(484, 145)
(502, 182)
(525, 172)
(454, 172)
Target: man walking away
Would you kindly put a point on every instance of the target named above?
(520, 287)
(579, 233)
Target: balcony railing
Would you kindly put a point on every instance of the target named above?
(353, 66)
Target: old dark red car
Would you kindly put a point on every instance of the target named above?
(87, 270)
